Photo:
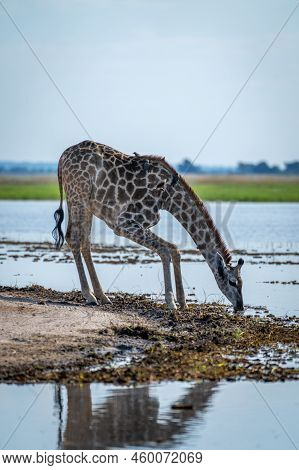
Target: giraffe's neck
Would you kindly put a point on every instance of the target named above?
(190, 211)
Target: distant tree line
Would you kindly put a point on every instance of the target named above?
(290, 168)
(186, 166)
(27, 167)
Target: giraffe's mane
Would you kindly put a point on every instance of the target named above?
(200, 204)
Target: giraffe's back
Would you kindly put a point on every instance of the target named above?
(111, 182)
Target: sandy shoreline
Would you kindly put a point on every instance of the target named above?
(37, 332)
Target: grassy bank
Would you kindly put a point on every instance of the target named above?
(251, 192)
(25, 191)
(264, 191)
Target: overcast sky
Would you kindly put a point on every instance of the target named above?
(151, 76)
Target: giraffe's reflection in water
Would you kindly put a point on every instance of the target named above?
(129, 417)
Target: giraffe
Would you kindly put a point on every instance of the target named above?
(127, 193)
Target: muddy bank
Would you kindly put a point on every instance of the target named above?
(129, 254)
(53, 336)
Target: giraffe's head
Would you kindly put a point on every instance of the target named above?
(230, 282)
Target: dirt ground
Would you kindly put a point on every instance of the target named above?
(41, 329)
(53, 336)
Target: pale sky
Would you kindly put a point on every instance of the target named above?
(151, 76)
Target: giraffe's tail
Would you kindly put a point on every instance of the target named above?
(57, 233)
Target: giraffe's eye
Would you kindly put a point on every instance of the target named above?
(232, 283)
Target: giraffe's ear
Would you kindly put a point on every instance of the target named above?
(220, 265)
(237, 268)
(239, 264)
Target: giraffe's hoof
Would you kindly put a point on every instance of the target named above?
(91, 302)
(90, 299)
(183, 306)
(171, 306)
(104, 300)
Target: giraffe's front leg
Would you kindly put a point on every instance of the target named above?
(176, 261)
(138, 234)
(169, 296)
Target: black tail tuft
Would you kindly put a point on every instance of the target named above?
(57, 232)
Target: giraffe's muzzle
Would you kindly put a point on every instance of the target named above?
(239, 307)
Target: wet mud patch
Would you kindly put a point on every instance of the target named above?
(52, 336)
(284, 283)
(129, 254)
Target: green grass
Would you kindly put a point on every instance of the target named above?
(246, 191)
(23, 191)
(222, 191)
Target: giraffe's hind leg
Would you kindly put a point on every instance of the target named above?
(74, 235)
(86, 252)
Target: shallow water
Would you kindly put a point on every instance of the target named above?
(261, 226)
(224, 415)
(279, 299)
